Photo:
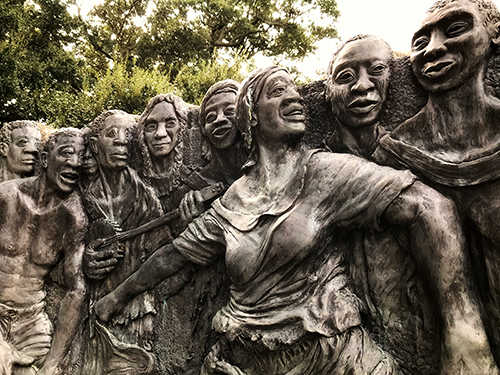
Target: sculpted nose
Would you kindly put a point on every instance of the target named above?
(363, 83)
(75, 161)
(161, 131)
(221, 117)
(31, 148)
(436, 47)
(121, 138)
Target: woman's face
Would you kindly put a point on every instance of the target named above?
(161, 131)
(280, 112)
(220, 128)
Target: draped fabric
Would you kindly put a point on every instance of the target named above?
(285, 256)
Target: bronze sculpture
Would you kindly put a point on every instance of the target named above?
(127, 343)
(30, 250)
(452, 143)
(260, 315)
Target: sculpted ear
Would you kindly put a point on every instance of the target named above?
(93, 145)
(3, 150)
(495, 32)
(44, 159)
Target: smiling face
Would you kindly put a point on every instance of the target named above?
(161, 131)
(220, 128)
(357, 88)
(63, 162)
(111, 145)
(280, 112)
(22, 152)
(451, 47)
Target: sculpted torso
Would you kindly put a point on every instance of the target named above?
(29, 249)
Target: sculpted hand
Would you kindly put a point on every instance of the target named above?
(191, 206)
(107, 307)
(98, 264)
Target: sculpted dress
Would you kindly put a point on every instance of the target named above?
(291, 307)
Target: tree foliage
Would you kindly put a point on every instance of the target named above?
(66, 68)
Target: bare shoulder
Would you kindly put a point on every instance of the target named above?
(10, 190)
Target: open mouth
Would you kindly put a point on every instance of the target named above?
(437, 70)
(70, 178)
(362, 105)
(294, 112)
(221, 131)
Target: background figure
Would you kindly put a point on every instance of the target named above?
(402, 317)
(19, 142)
(117, 200)
(453, 143)
(217, 123)
(190, 299)
(29, 250)
(160, 137)
(90, 168)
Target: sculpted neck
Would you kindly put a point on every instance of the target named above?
(163, 165)
(462, 117)
(5, 173)
(45, 193)
(276, 164)
(228, 158)
(361, 140)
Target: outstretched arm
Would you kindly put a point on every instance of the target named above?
(438, 246)
(164, 262)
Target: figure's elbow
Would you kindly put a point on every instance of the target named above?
(432, 208)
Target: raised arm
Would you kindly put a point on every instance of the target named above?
(163, 263)
(438, 246)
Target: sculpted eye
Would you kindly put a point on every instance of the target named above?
(457, 28)
(378, 69)
(278, 90)
(210, 117)
(345, 76)
(420, 43)
(229, 111)
(151, 127)
(22, 142)
(112, 133)
(171, 124)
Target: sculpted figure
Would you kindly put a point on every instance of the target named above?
(29, 250)
(191, 298)
(160, 134)
(282, 229)
(19, 142)
(218, 125)
(357, 88)
(117, 200)
(382, 266)
(453, 143)
(89, 164)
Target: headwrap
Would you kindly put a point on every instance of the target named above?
(246, 103)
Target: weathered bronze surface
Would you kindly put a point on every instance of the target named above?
(349, 226)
